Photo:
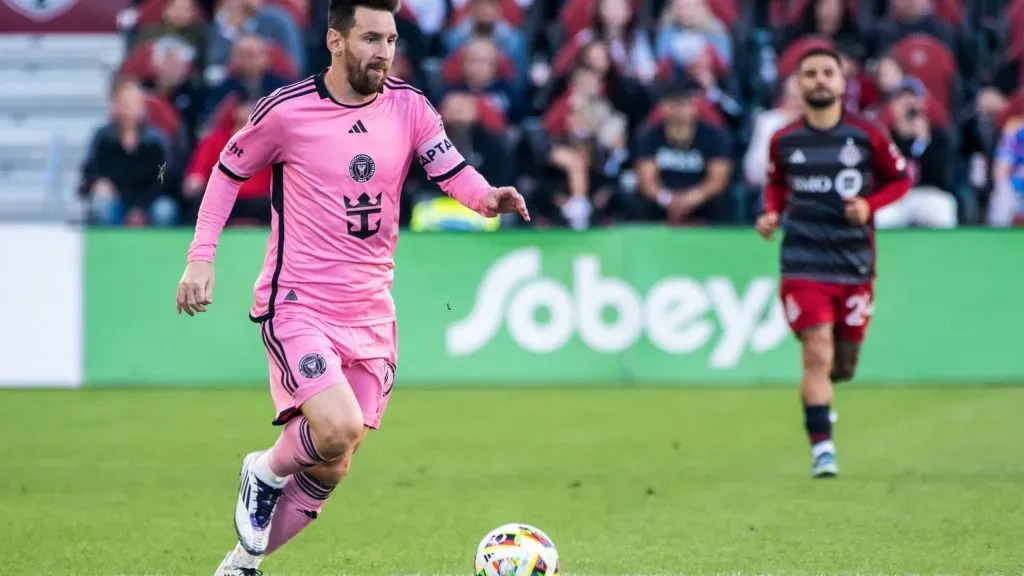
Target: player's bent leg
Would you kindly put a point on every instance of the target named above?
(304, 498)
(816, 392)
(844, 365)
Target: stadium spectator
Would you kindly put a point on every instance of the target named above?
(173, 80)
(683, 165)
(182, 19)
(625, 93)
(697, 59)
(253, 204)
(755, 161)
(628, 45)
(586, 157)
(1006, 207)
(249, 73)
(124, 170)
(908, 17)
(831, 19)
(682, 18)
(480, 77)
(485, 18)
(929, 203)
(235, 18)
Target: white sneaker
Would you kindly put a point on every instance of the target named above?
(238, 562)
(255, 508)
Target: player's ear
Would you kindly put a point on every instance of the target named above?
(335, 42)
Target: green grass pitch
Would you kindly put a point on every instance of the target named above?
(696, 482)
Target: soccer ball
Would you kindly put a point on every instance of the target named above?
(516, 550)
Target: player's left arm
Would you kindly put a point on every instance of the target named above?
(890, 171)
(446, 167)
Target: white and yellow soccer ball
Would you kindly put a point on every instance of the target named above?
(516, 550)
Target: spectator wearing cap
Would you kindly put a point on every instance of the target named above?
(253, 203)
(124, 171)
(929, 203)
(682, 165)
(908, 17)
(1006, 206)
(174, 81)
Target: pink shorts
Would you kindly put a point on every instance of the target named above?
(308, 355)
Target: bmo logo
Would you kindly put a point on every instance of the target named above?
(811, 184)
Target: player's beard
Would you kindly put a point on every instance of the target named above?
(361, 79)
(819, 98)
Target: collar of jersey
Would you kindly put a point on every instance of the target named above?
(325, 94)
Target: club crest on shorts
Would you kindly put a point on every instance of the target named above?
(361, 168)
(312, 365)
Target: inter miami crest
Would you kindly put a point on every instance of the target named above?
(363, 208)
(361, 168)
(312, 365)
(41, 10)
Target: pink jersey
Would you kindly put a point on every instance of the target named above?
(338, 172)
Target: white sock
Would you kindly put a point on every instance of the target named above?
(819, 448)
(261, 468)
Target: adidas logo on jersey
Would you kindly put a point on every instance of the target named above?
(357, 128)
(797, 157)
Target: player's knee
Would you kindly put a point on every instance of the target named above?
(333, 473)
(339, 438)
(817, 354)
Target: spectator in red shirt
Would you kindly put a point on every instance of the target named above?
(253, 204)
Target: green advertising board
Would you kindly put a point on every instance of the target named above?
(645, 306)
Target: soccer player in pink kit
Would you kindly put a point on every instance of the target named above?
(340, 145)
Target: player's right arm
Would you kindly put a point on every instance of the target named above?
(774, 192)
(250, 150)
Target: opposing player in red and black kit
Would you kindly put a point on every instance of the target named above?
(829, 172)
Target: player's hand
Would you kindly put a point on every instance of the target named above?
(767, 224)
(195, 291)
(505, 200)
(857, 210)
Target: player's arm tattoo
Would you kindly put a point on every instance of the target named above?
(844, 363)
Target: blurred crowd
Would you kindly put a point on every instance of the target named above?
(589, 107)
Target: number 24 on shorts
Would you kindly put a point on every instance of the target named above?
(859, 309)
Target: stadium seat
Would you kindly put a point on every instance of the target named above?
(139, 63)
(164, 116)
(929, 60)
(950, 12)
(510, 10)
(489, 116)
(297, 9)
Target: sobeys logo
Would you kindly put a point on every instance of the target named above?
(679, 314)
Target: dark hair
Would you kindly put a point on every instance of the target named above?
(821, 52)
(341, 14)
